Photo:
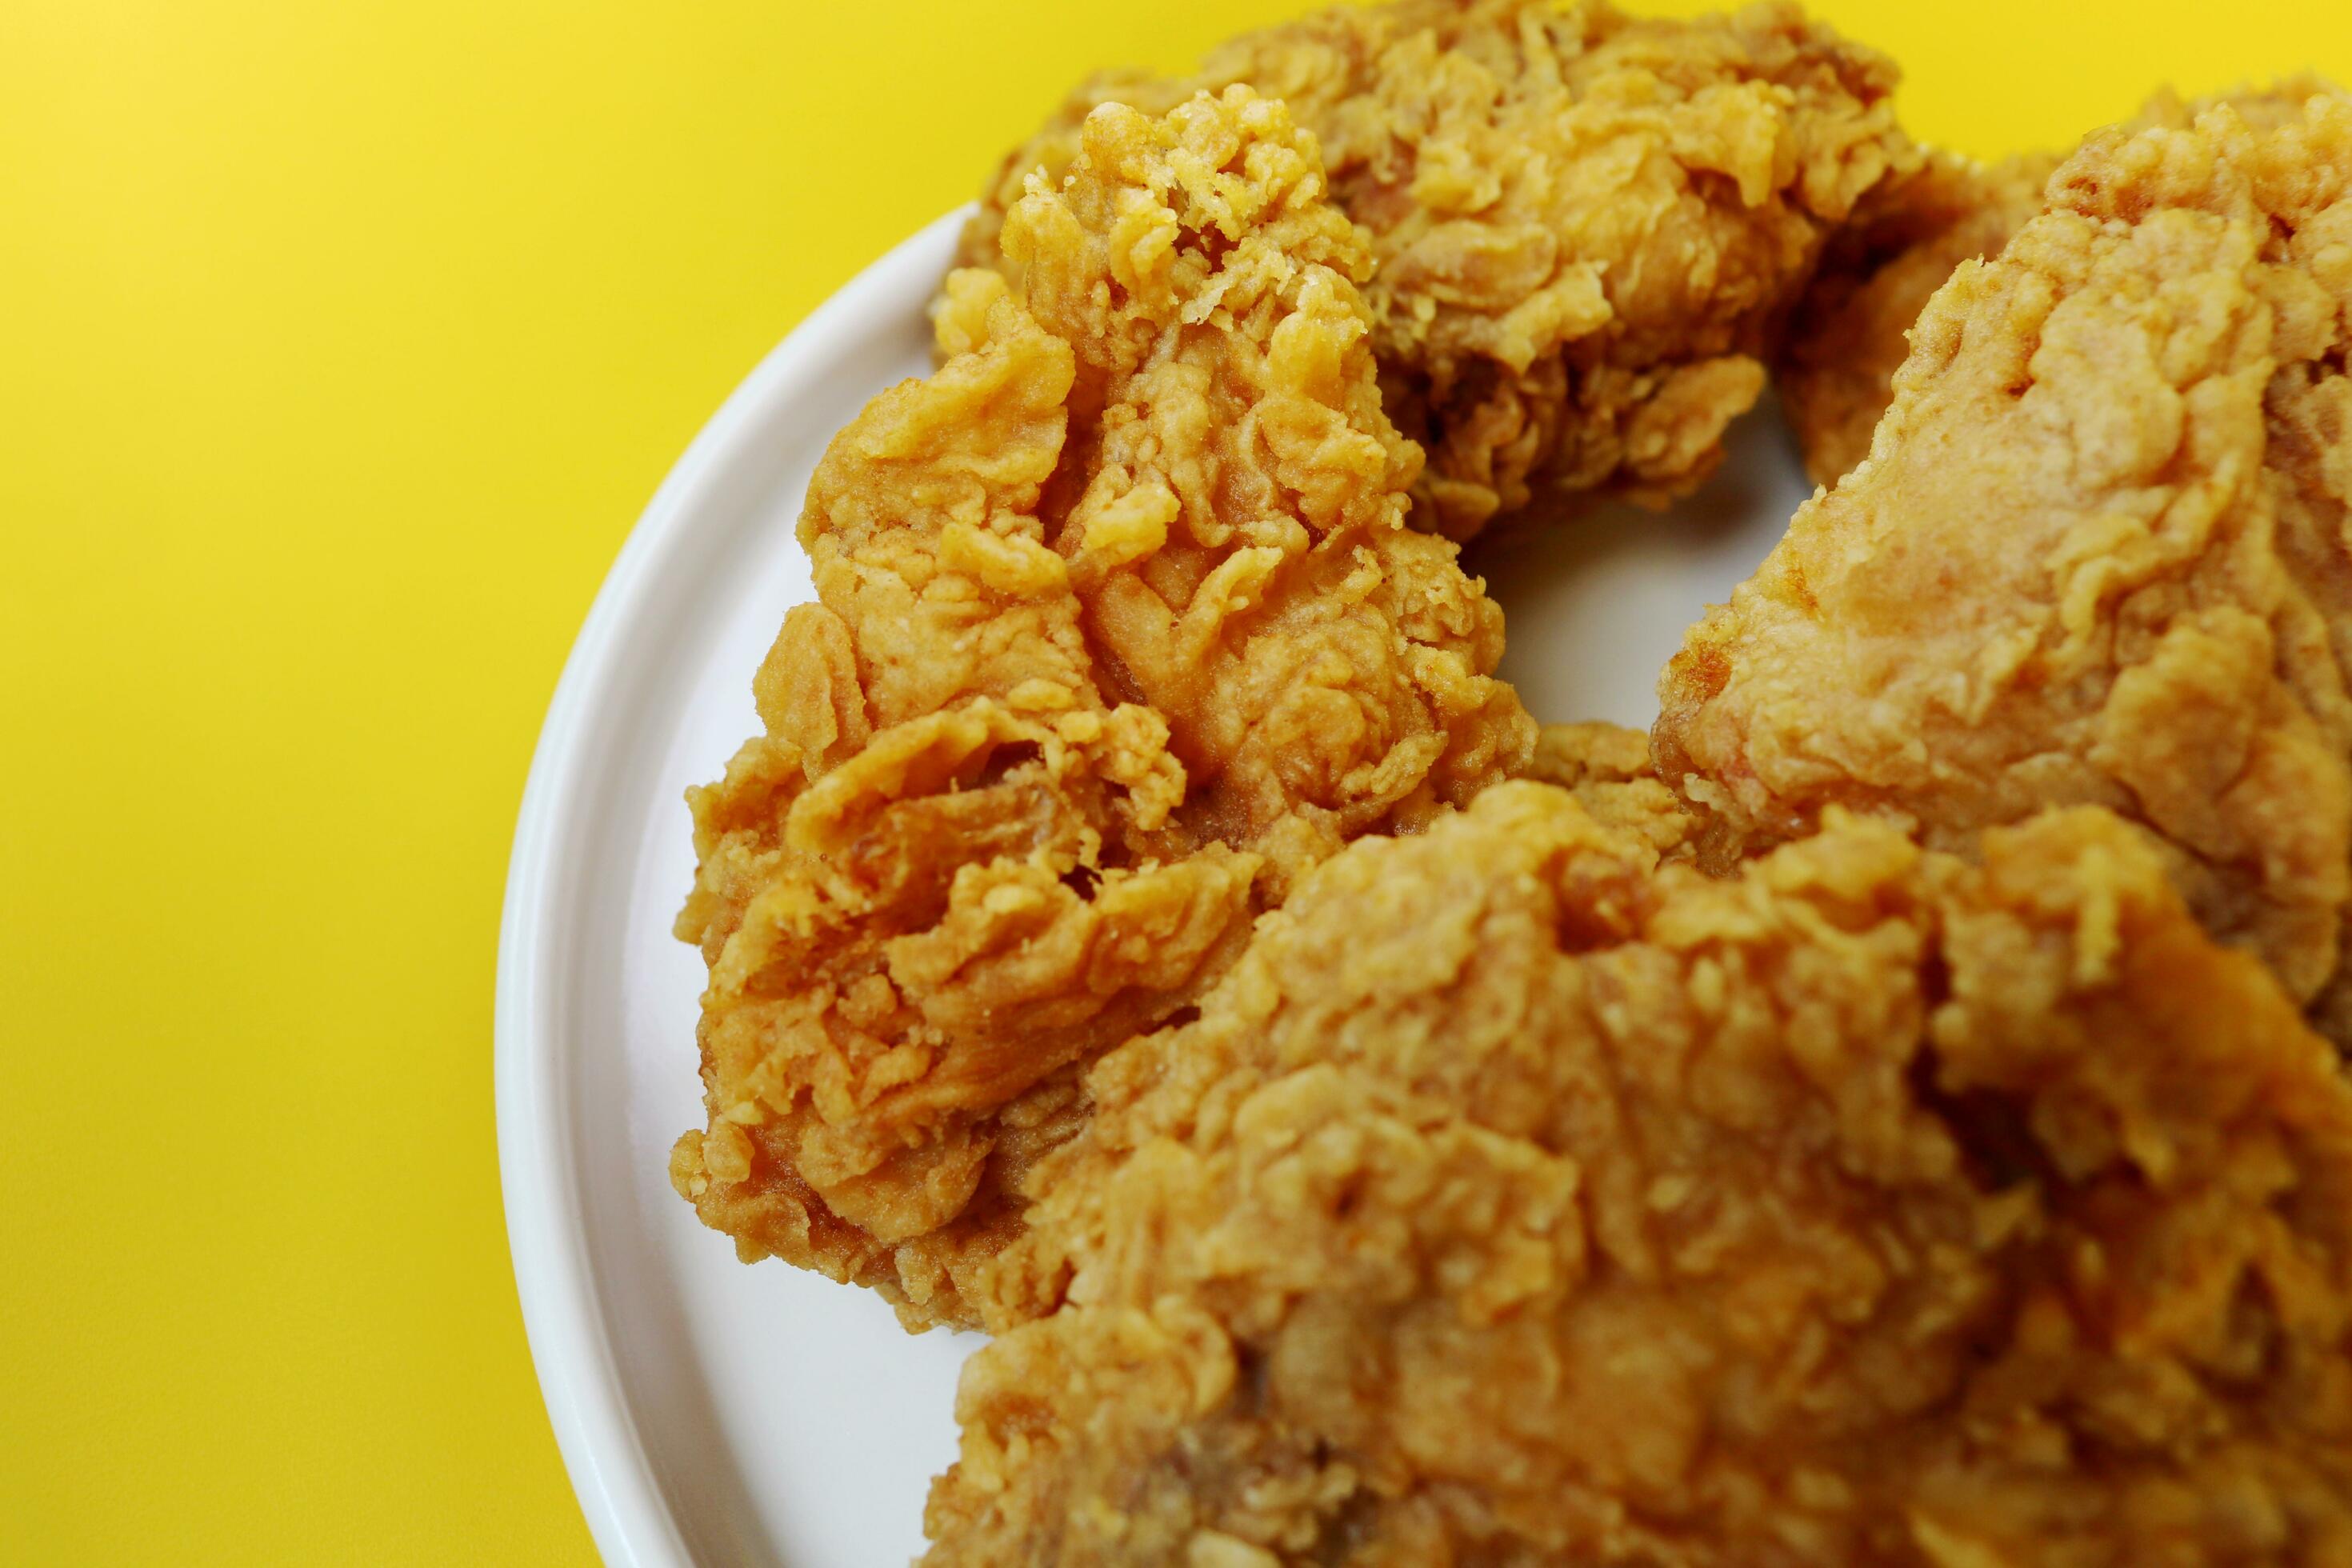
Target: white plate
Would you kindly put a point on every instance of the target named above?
(710, 1412)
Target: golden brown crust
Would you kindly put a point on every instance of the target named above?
(2096, 555)
(1515, 1202)
(1607, 769)
(1120, 630)
(1585, 225)
(1836, 371)
(1852, 334)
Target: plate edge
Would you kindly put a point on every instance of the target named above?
(626, 1509)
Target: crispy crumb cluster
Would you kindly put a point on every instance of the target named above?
(1585, 226)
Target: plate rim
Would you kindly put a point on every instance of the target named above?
(612, 1475)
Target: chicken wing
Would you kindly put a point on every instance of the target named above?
(1120, 630)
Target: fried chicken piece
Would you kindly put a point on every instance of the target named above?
(1120, 630)
(1513, 1202)
(2098, 555)
(1836, 371)
(1586, 225)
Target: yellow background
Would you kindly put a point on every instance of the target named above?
(339, 344)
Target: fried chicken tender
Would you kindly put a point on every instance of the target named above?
(1836, 371)
(1514, 1202)
(1586, 225)
(2097, 553)
(1120, 630)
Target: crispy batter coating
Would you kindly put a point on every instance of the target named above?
(2097, 554)
(1607, 768)
(1836, 370)
(1586, 225)
(1120, 630)
(1851, 331)
(1514, 1203)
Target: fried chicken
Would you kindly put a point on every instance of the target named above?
(1586, 226)
(1120, 630)
(1517, 1202)
(2097, 555)
(1836, 370)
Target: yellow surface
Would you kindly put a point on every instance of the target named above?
(342, 344)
